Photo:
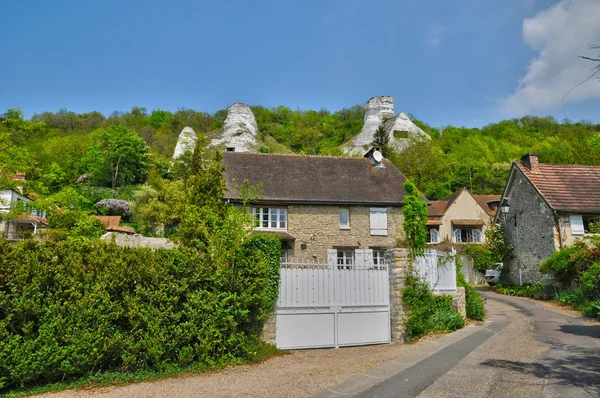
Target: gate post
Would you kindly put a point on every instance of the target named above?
(398, 261)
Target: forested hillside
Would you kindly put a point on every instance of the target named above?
(55, 149)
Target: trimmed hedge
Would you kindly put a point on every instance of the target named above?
(73, 308)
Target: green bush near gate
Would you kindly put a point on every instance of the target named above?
(71, 309)
(428, 312)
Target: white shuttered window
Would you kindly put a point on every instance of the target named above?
(576, 225)
(378, 221)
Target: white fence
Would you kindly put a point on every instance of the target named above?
(331, 305)
(438, 270)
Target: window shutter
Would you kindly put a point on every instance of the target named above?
(368, 257)
(359, 258)
(576, 225)
(457, 238)
(378, 221)
(332, 257)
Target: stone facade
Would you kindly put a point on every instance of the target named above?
(317, 229)
(530, 227)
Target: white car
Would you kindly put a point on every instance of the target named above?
(492, 275)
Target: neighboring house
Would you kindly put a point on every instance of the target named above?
(112, 224)
(17, 227)
(546, 207)
(461, 217)
(317, 204)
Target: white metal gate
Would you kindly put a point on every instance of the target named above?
(438, 270)
(331, 305)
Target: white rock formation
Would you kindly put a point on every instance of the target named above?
(380, 110)
(186, 142)
(239, 130)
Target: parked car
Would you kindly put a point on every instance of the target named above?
(492, 274)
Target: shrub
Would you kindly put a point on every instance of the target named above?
(535, 290)
(561, 264)
(426, 311)
(475, 305)
(72, 308)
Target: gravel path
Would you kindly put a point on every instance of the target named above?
(299, 374)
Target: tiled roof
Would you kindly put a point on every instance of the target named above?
(439, 207)
(314, 179)
(484, 202)
(109, 221)
(567, 187)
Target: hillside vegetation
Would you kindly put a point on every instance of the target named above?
(55, 149)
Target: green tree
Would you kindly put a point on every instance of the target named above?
(381, 140)
(415, 220)
(117, 156)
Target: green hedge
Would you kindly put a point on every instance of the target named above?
(428, 312)
(73, 308)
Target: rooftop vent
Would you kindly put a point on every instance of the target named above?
(375, 157)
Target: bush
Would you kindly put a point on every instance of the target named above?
(428, 312)
(73, 308)
(475, 304)
(562, 264)
(535, 290)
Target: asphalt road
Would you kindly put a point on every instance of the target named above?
(528, 350)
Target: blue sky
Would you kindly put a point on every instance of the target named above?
(462, 62)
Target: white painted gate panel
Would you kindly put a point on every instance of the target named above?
(331, 305)
(437, 270)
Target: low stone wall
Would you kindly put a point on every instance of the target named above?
(269, 333)
(137, 241)
(472, 275)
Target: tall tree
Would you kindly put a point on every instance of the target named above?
(381, 140)
(415, 220)
(117, 156)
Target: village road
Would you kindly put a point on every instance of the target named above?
(540, 352)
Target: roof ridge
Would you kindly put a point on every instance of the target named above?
(294, 155)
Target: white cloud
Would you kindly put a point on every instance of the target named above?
(434, 36)
(559, 34)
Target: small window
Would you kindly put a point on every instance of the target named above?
(344, 218)
(378, 220)
(345, 259)
(591, 224)
(378, 258)
(230, 149)
(270, 217)
(433, 235)
(468, 235)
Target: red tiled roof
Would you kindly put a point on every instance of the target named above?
(567, 187)
(439, 207)
(484, 202)
(109, 221)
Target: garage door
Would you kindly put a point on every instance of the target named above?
(343, 302)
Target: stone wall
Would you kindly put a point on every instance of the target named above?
(137, 241)
(459, 301)
(317, 229)
(269, 333)
(530, 228)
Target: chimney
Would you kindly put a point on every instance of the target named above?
(531, 162)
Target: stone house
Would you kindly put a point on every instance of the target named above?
(546, 207)
(319, 203)
(461, 217)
